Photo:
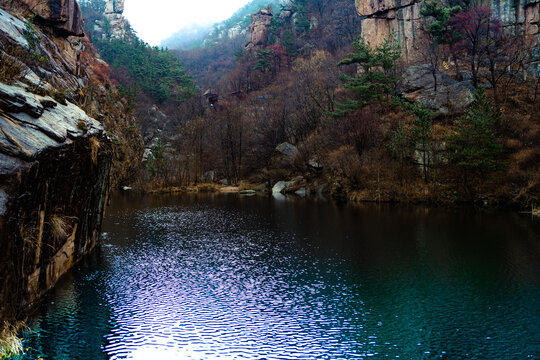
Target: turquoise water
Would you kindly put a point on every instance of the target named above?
(228, 277)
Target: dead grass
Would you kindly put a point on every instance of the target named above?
(10, 70)
(29, 234)
(95, 145)
(10, 344)
(60, 226)
(207, 187)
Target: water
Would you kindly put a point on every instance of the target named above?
(228, 277)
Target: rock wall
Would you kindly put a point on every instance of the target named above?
(64, 16)
(381, 18)
(258, 28)
(117, 25)
(54, 158)
(54, 168)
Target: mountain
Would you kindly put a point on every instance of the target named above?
(196, 36)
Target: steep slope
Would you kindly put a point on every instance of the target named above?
(55, 159)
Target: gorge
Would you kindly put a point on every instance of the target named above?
(286, 107)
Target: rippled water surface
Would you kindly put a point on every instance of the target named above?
(227, 277)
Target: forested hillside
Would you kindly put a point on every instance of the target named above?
(305, 99)
(137, 66)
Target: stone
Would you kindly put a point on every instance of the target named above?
(13, 99)
(47, 169)
(279, 187)
(3, 202)
(63, 15)
(382, 18)
(315, 165)
(260, 22)
(302, 192)
(285, 154)
(451, 98)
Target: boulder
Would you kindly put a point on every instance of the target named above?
(302, 192)
(279, 187)
(450, 98)
(285, 154)
(315, 165)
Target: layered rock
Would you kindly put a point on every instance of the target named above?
(435, 91)
(260, 23)
(54, 167)
(63, 15)
(54, 158)
(381, 18)
(117, 23)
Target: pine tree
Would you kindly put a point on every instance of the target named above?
(376, 79)
(473, 146)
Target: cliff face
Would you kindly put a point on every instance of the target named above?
(402, 17)
(260, 22)
(115, 24)
(54, 158)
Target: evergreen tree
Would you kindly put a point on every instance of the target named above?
(422, 135)
(473, 147)
(376, 79)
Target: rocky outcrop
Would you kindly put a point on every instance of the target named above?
(54, 167)
(54, 158)
(117, 23)
(439, 93)
(113, 24)
(59, 57)
(260, 22)
(381, 18)
(62, 15)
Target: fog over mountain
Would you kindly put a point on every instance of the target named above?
(165, 17)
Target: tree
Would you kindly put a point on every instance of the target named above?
(475, 27)
(422, 135)
(473, 146)
(400, 148)
(439, 33)
(376, 79)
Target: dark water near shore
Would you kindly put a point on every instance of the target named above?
(228, 277)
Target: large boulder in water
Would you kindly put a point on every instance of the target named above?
(450, 98)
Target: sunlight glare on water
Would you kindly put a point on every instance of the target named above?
(237, 278)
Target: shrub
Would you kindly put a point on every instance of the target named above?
(10, 70)
(10, 344)
(59, 226)
(94, 144)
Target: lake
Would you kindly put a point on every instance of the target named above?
(232, 277)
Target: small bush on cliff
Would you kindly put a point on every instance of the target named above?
(33, 40)
(10, 69)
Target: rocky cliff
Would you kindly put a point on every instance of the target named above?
(402, 17)
(260, 23)
(115, 24)
(54, 158)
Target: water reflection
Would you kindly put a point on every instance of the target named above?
(235, 277)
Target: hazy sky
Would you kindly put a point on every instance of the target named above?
(156, 20)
